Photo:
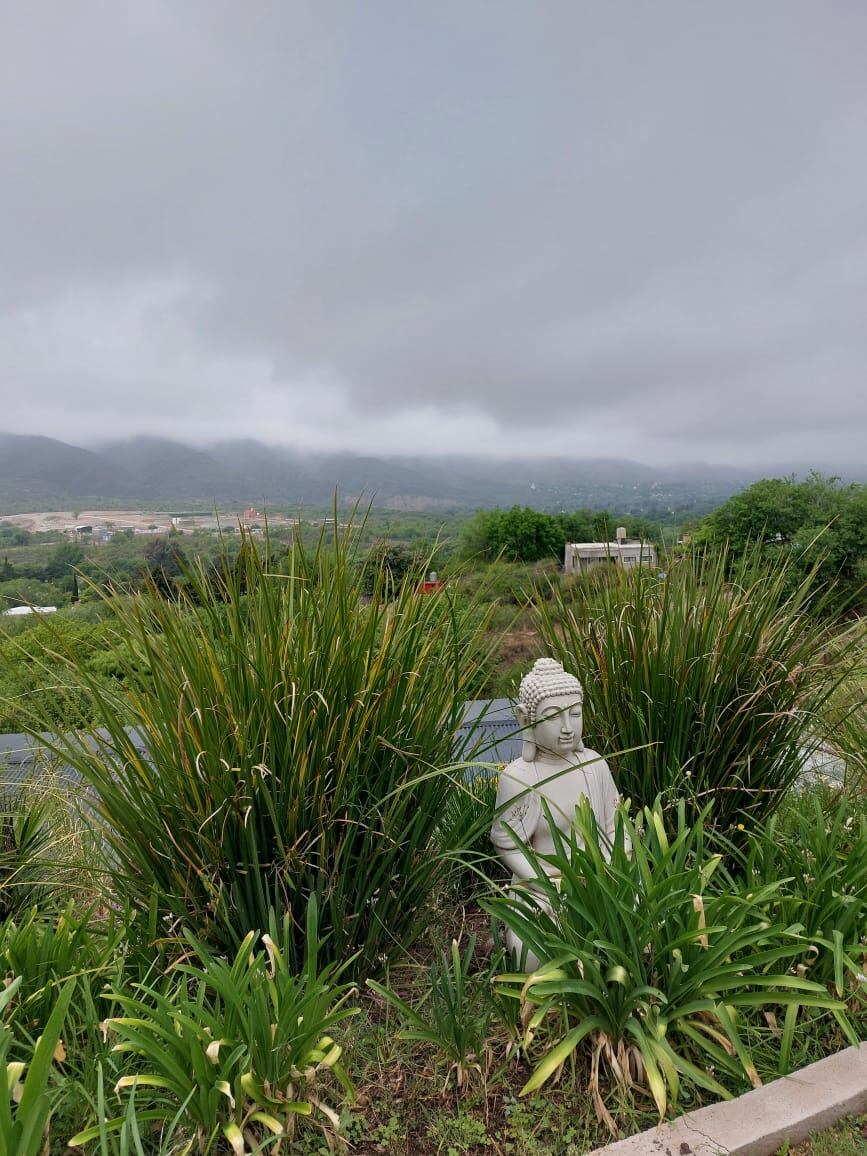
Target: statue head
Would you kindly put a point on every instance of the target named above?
(549, 710)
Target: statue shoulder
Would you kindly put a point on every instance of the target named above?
(517, 776)
(518, 806)
(600, 779)
(597, 769)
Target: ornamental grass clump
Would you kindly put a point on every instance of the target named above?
(455, 1015)
(47, 950)
(642, 964)
(24, 840)
(815, 851)
(298, 738)
(239, 1048)
(714, 682)
(25, 1102)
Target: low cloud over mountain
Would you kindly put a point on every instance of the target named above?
(42, 473)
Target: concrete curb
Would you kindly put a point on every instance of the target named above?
(757, 1123)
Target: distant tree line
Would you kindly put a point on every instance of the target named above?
(46, 571)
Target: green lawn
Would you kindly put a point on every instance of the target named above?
(849, 1138)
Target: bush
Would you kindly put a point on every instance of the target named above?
(464, 832)
(388, 565)
(33, 678)
(455, 1014)
(816, 856)
(519, 534)
(817, 522)
(24, 838)
(50, 951)
(25, 1104)
(233, 1046)
(711, 685)
(297, 744)
(640, 959)
(31, 592)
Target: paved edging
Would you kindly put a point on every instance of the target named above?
(757, 1123)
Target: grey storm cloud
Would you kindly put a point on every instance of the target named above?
(495, 227)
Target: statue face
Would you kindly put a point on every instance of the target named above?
(559, 720)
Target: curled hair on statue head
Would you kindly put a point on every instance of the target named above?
(545, 680)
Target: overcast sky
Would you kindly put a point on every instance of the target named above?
(631, 228)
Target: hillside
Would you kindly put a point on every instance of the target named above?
(43, 473)
(39, 473)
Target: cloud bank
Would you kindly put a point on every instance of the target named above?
(499, 228)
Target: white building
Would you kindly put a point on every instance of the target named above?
(18, 611)
(581, 557)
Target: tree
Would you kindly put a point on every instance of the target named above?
(525, 535)
(520, 534)
(819, 522)
(770, 511)
(166, 562)
(580, 526)
(12, 535)
(394, 562)
(63, 560)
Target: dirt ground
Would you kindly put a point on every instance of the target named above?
(109, 519)
(155, 521)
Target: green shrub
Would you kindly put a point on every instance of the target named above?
(815, 855)
(845, 717)
(25, 1105)
(34, 677)
(298, 744)
(132, 1135)
(464, 833)
(713, 686)
(388, 565)
(236, 1047)
(47, 951)
(455, 1014)
(643, 962)
(520, 534)
(24, 839)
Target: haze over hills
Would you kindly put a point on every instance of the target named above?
(40, 473)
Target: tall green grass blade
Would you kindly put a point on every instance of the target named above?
(298, 743)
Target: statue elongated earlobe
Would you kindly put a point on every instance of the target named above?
(528, 744)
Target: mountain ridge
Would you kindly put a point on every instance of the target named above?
(41, 473)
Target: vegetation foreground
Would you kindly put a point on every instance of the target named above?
(281, 930)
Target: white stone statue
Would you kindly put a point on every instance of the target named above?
(554, 766)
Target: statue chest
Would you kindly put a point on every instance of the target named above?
(562, 789)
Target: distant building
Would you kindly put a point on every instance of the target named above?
(581, 557)
(17, 611)
(431, 584)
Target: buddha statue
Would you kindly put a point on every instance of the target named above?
(554, 766)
